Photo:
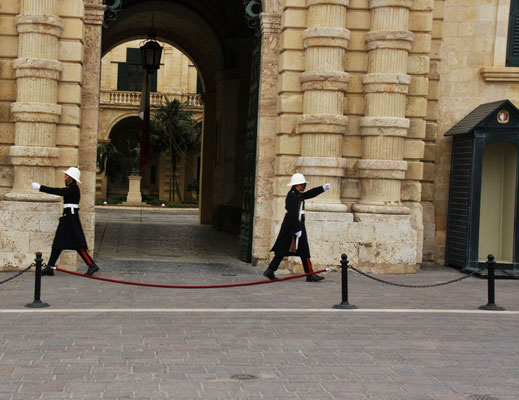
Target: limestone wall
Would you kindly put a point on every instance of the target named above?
(386, 239)
(355, 92)
(41, 72)
(472, 70)
(8, 53)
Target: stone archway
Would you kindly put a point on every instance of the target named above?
(218, 41)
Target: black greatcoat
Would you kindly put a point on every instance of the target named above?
(291, 224)
(69, 235)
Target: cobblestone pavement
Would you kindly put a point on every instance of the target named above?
(99, 340)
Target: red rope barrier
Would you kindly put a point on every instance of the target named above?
(189, 287)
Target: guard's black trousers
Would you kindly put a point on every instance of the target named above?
(307, 265)
(82, 251)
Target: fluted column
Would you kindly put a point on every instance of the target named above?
(36, 110)
(324, 83)
(384, 125)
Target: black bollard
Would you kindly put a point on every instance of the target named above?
(37, 303)
(491, 287)
(344, 282)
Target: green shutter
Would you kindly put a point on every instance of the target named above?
(153, 81)
(122, 76)
(133, 56)
(199, 88)
(512, 52)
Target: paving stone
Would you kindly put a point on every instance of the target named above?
(294, 355)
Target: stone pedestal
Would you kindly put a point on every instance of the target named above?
(134, 197)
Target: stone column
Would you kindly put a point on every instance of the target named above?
(36, 111)
(266, 141)
(94, 14)
(29, 218)
(384, 126)
(324, 83)
(393, 244)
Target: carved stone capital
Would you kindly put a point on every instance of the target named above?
(399, 40)
(270, 23)
(390, 3)
(384, 126)
(322, 166)
(325, 80)
(94, 13)
(386, 83)
(326, 37)
(43, 24)
(382, 169)
(322, 123)
(37, 68)
(344, 3)
(36, 112)
(34, 155)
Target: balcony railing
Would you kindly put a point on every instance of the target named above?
(114, 97)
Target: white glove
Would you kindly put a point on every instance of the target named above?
(36, 186)
(327, 186)
(298, 234)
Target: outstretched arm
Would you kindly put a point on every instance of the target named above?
(316, 191)
(57, 191)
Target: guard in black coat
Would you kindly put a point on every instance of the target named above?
(69, 235)
(292, 239)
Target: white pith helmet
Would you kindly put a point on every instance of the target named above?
(74, 173)
(297, 179)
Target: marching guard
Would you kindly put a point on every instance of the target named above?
(292, 239)
(69, 235)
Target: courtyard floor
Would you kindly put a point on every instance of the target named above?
(283, 340)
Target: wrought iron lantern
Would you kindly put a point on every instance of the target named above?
(151, 52)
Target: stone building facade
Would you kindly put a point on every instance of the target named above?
(357, 93)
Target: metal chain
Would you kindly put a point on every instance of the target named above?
(17, 274)
(411, 286)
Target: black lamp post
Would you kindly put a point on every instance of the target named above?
(151, 52)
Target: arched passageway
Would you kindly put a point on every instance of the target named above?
(216, 37)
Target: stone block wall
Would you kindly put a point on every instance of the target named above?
(431, 132)
(471, 64)
(8, 53)
(377, 242)
(41, 121)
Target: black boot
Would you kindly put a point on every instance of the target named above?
(269, 274)
(92, 269)
(47, 271)
(314, 278)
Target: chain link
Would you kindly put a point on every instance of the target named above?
(17, 274)
(412, 286)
